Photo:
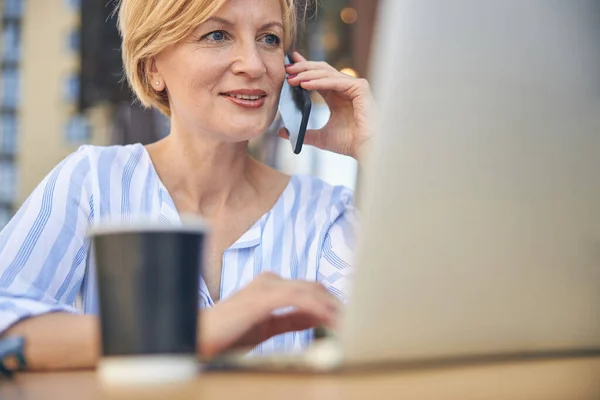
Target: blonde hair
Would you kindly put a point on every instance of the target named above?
(148, 26)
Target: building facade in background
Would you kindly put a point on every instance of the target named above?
(12, 13)
(40, 124)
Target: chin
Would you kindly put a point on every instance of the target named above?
(247, 130)
(247, 134)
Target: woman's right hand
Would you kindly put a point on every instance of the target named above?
(247, 319)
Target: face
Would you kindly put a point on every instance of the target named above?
(224, 80)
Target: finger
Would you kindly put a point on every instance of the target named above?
(319, 303)
(292, 322)
(300, 294)
(278, 293)
(309, 75)
(337, 84)
(314, 137)
(278, 324)
(311, 298)
(283, 133)
(308, 66)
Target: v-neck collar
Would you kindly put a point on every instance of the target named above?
(250, 238)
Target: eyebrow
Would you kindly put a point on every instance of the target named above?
(226, 22)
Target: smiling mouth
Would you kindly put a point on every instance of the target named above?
(245, 96)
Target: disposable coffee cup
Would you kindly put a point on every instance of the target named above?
(148, 278)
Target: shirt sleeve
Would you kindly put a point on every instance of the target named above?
(337, 256)
(43, 248)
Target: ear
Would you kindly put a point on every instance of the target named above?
(153, 75)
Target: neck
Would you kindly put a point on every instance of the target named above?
(202, 175)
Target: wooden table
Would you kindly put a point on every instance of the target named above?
(577, 378)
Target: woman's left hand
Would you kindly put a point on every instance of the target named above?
(350, 102)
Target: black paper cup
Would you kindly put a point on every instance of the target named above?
(148, 278)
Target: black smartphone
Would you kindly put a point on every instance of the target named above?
(294, 109)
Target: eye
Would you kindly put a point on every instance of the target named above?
(215, 36)
(272, 40)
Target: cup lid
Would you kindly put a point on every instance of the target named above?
(188, 224)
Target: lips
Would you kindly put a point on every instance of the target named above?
(247, 98)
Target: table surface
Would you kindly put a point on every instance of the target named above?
(568, 378)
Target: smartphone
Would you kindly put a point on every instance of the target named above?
(294, 110)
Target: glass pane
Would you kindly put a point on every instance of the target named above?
(8, 136)
(73, 40)
(71, 88)
(74, 5)
(13, 8)
(7, 181)
(78, 130)
(10, 45)
(5, 216)
(10, 88)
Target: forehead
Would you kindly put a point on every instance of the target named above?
(251, 10)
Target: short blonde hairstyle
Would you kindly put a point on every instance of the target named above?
(147, 27)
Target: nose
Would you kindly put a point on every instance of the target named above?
(248, 61)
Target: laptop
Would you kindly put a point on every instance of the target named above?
(481, 195)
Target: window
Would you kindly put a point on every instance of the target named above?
(78, 130)
(10, 45)
(74, 5)
(71, 88)
(10, 87)
(73, 41)
(7, 182)
(5, 216)
(8, 135)
(13, 8)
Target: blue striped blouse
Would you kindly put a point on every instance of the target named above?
(309, 234)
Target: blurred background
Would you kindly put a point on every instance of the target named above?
(61, 87)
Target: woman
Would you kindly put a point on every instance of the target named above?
(216, 68)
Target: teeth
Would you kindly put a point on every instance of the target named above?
(245, 97)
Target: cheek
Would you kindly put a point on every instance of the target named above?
(194, 76)
(196, 88)
(275, 63)
(277, 77)
(280, 69)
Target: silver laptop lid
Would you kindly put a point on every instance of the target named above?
(481, 199)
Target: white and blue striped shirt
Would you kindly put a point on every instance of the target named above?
(309, 234)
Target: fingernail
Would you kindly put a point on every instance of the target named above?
(292, 76)
(288, 65)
